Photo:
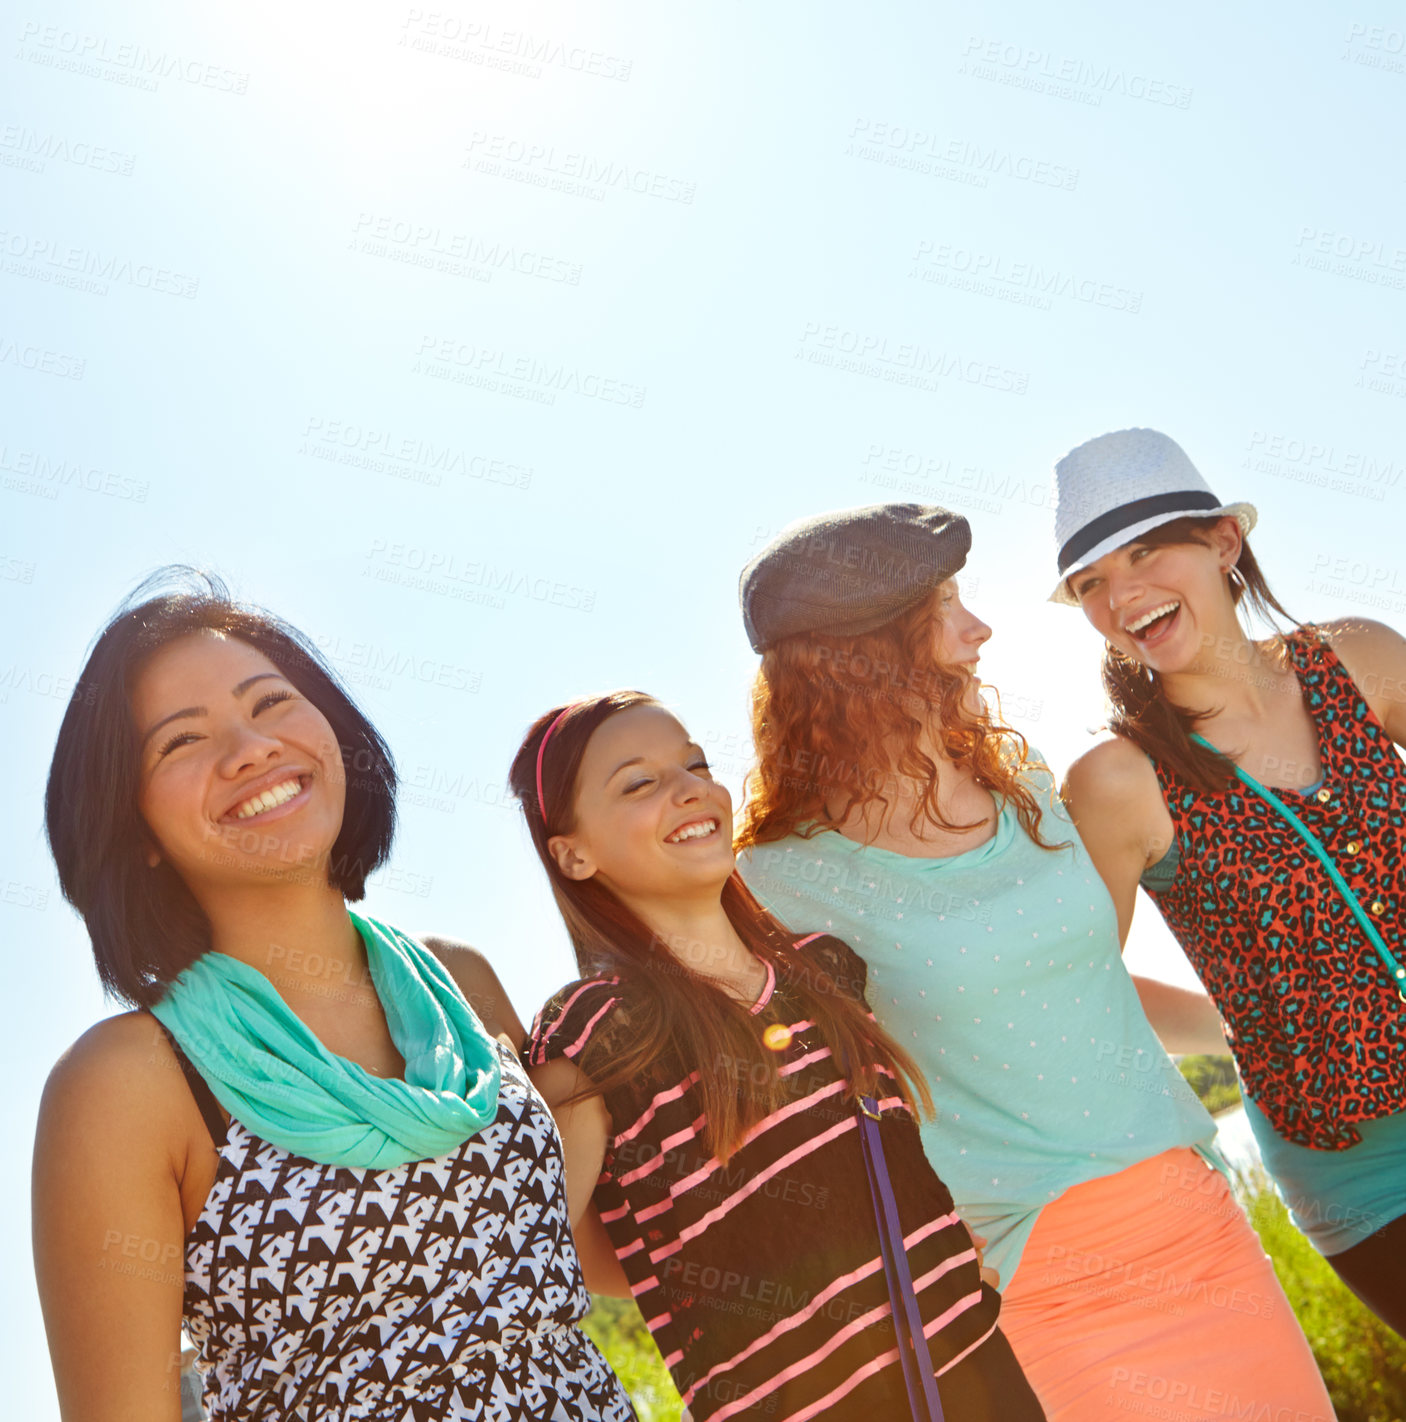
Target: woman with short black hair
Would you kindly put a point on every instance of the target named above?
(304, 1143)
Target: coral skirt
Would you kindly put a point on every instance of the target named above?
(1147, 1292)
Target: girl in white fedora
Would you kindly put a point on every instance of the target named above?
(1254, 788)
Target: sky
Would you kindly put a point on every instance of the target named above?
(486, 344)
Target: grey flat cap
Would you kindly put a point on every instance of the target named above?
(849, 572)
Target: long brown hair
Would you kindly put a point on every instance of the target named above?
(679, 1009)
(1141, 710)
(839, 719)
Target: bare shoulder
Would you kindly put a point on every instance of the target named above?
(466, 964)
(119, 1051)
(479, 983)
(1364, 642)
(1109, 775)
(1114, 798)
(120, 1080)
(1374, 656)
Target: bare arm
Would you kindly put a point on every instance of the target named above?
(1185, 1021)
(1375, 657)
(1116, 804)
(585, 1128)
(108, 1226)
(603, 1270)
(479, 983)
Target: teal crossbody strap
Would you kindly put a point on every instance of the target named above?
(1397, 972)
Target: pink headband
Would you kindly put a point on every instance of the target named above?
(541, 751)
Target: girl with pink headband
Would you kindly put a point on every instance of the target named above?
(745, 1128)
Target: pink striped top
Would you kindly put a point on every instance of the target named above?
(761, 1280)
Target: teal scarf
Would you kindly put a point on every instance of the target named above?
(275, 1078)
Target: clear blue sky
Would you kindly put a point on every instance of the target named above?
(487, 343)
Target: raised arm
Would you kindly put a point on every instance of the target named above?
(1116, 803)
(1113, 797)
(108, 1225)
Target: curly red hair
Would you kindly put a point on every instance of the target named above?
(838, 721)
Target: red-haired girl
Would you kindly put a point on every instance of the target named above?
(891, 807)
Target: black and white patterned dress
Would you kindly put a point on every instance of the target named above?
(437, 1291)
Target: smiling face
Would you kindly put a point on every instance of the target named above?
(650, 822)
(241, 777)
(1164, 603)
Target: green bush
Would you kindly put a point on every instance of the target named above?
(1361, 1359)
(1213, 1080)
(618, 1331)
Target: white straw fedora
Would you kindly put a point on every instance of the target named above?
(1111, 489)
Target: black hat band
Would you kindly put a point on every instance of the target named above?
(1125, 515)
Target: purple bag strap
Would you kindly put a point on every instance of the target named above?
(913, 1355)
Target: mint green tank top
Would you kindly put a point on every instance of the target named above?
(999, 970)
